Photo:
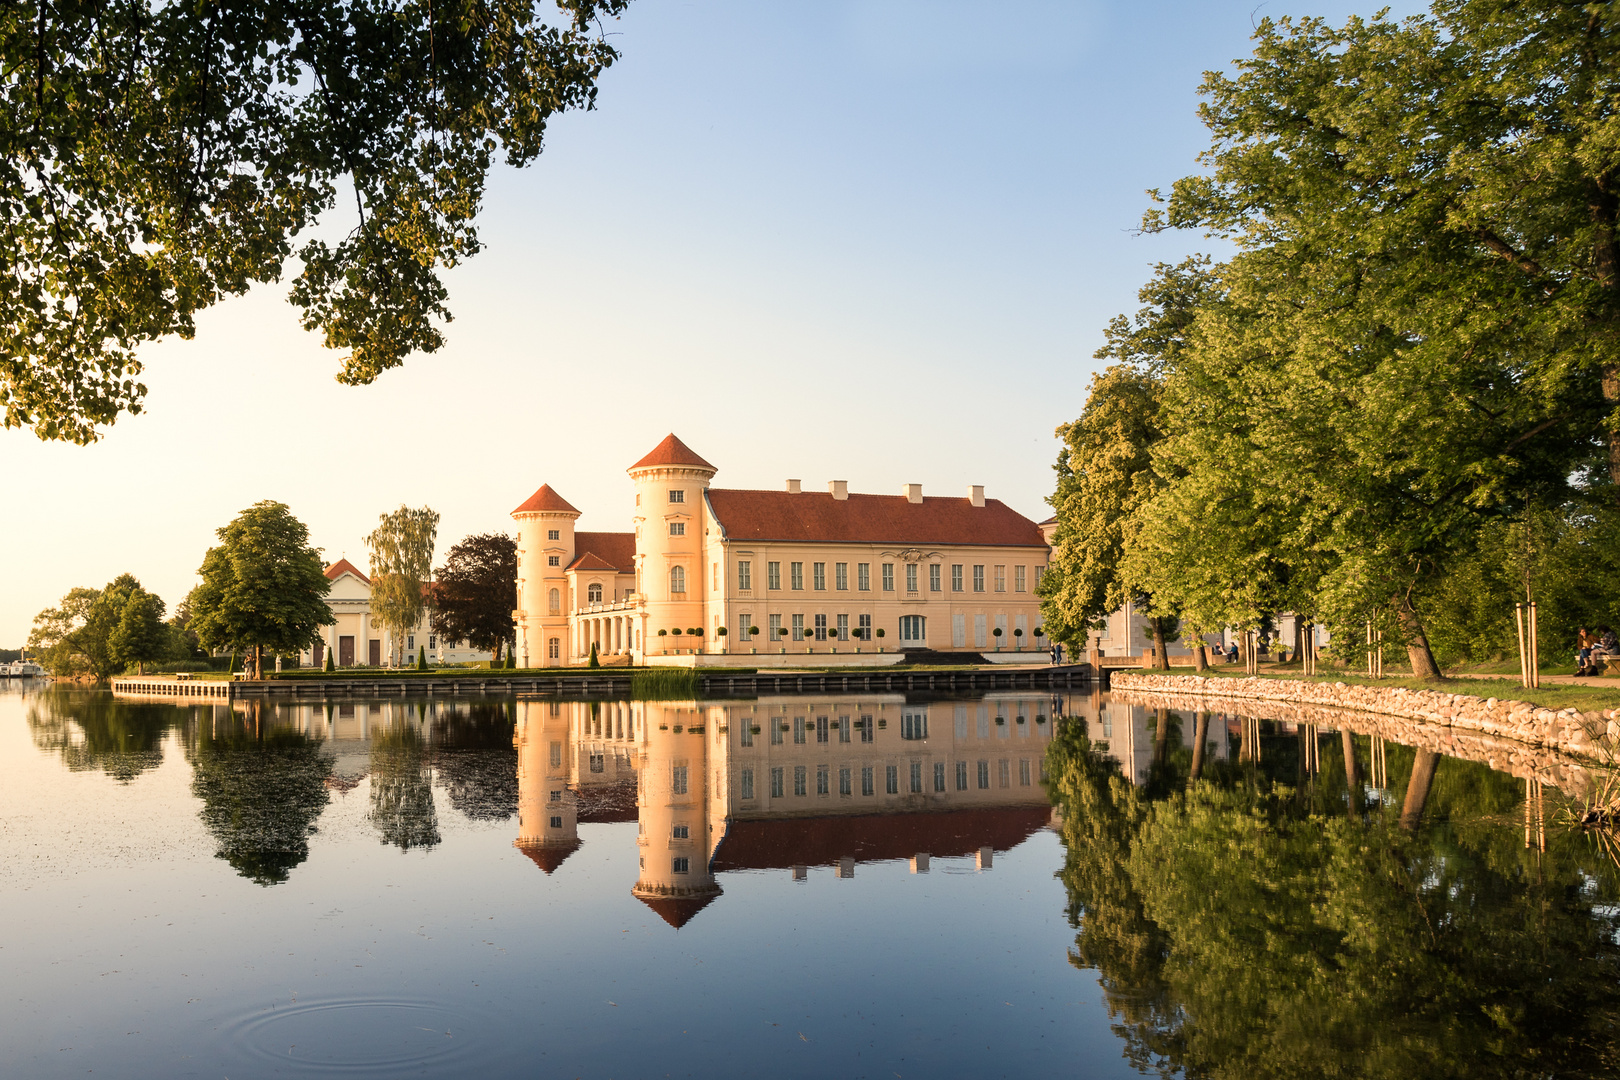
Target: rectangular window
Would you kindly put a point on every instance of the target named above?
(681, 832)
(776, 628)
(916, 778)
(677, 496)
(911, 577)
(1001, 578)
(818, 576)
(866, 781)
(745, 575)
(773, 575)
(776, 783)
(914, 724)
(746, 730)
(956, 577)
(959, 630)
(714, 578)
(800, 786)
(978, 578)
(1018, 579)
(934, 584)
(888, 577)
(1023, 772)
(683, 865)
(939, 776)
(868, 728)
(961, 776)
(677, 780)
(553, 534)
(961, 721)
(981, 635)
(798, 731)
(821, 729)
(748, 783)
(821, 628)
(1003, 774)
(778, 723)
(843, 628)
(866, 627)
(891, 776)
(677, 528)
(556, 755)
(410, 642)
(841, 576)
(745, 627)
(984, 775)
(844, 782)
(796, 575)
(798, 628)
(822, 781)
(553, 560)
(843, 729)
(863, 576)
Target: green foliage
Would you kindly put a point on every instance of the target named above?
(100, 632)
(402, 789)
(595, 661)
(421, 658)
(331, 663)
(664, 684)
(217, 140)
(401, 551)
(140, 636)
(511, 660)
(476, 592)
(100, 732)
(263, 588)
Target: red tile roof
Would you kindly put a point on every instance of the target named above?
(548, 856)
(591, 561)
(545, 500)
(870, 519)
(672, 452)
(678, 910)
(616, 550)
(344, 566)
(777, 843)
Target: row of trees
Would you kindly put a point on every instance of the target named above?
(1399, 401)
(263, 592)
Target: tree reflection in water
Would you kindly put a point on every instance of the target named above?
(262, 786)
(1262, 922)
(402, 788)
(476, 759)
(98, 731)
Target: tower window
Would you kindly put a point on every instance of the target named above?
(677, 528)
(677, 579)
(682, 832)
(556, 822)
(677, 496)
(553, 534)
(553, 560)
(682, 866)
(555, 601)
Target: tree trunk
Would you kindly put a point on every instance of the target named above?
(1417, 643)
(1161, 659)
(497, 661)
(1299, 639)
(258, 662)
(1352, 775)
(1417, 789)
(1161, 735)
(1201, 656)
(1200, 734)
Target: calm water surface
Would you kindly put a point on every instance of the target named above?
(1010, 886)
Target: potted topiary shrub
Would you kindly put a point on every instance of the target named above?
(880, 637)
(663, 647)
(997, 633)
(753, 632)
(720, 632)
(1018, 634)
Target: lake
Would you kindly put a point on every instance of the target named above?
(879, 886)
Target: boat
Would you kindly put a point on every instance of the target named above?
(22, 669)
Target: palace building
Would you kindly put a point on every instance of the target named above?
(782, 577)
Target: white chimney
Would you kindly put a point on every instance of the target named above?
(976, 494)
(839, 489)
(793, 487)
(913, 493)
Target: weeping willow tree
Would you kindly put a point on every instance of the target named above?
(401, 554)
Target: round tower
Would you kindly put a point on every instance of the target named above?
(670, 522)
(545, 548)
(548, 808)
(672, 804)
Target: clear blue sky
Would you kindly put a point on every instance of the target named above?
(875, 241)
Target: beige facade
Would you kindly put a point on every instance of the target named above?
(355, 639)
(787, 577)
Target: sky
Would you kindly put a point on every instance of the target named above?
(866, 240)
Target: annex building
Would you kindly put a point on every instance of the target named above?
(783, 577)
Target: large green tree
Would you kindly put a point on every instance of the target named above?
(101, 632)
(158, 157)
(401, 552)
(475, 592)
(262, 588)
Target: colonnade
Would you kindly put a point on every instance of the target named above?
(612, 635)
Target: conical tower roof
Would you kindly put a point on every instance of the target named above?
(672, 452)
(546, 501)
(678, 910)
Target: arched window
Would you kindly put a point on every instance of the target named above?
(677, 579)
(554, 648)
(593, 595)
(556, 602)
(912, 628)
